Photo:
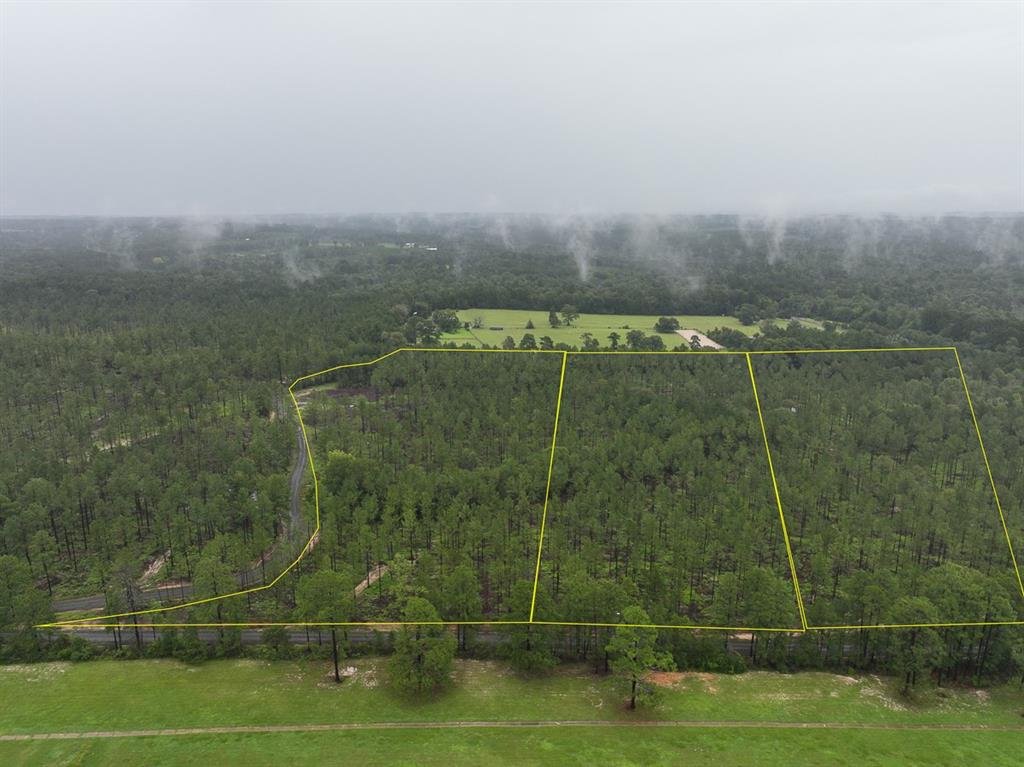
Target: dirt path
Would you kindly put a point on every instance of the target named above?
(370, 579)
(182, 589)
(295, 483)
(507, 725)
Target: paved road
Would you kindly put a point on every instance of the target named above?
(105, 637)
(251, 577)
(464, 725)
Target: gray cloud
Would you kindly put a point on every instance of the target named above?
(768, 109)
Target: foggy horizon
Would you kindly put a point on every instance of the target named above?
(782, 110)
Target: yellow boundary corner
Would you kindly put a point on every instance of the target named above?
(89, 622)
(988, 469)
(778, 499)
(547, 491)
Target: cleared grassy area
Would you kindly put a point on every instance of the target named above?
(513, 323)
(583, 745)
(119, 695)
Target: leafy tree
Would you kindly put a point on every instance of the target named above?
(508, 343)
(915, 649)
(569, 314)
(460, 599)
(446, 320)
(528, 342)
(326, 596)
(21, 605)
(527, 647)
(748, 314)
(421, 330)
(638, 340)
(45, 555)
(635, 340)
(633, 654)
(1017, 654)
(423, 654)
(553, 320)
(190, 648)
(275, 639)
(666, 325)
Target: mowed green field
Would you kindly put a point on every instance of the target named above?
(513, 323)
(640, 746)
(146, 695)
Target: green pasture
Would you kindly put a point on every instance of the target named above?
(156, 694)
(653, 747)
(513, 323)
(57, 697)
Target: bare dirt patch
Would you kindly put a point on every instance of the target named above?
(878, 692)
(370, 579)
(665, 678)
(675, 678)
(154, 567)
(703, 340)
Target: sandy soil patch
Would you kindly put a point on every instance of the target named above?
(878, 693)
(674, 678)
(705, 342)
(36, 672)
(154, 567)
(665, 678)
(370, 579)
(783, 697)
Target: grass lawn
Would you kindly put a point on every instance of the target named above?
(121, 695)
(513, 322)
(576, 745)
(165, 693)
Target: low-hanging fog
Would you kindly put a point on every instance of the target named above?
(769, 110)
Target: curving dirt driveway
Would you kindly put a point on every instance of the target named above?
(183, 589)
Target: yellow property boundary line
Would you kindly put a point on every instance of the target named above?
(88, 622)
(778, 499)
(547, 491)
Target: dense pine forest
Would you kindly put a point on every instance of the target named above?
(662, 493)
(891, 512)
(148, 441)
(436, 468)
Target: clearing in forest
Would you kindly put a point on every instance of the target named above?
(661, 495)
(890, 507)
(493, 326)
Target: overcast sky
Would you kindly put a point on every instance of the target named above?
(232, 108)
